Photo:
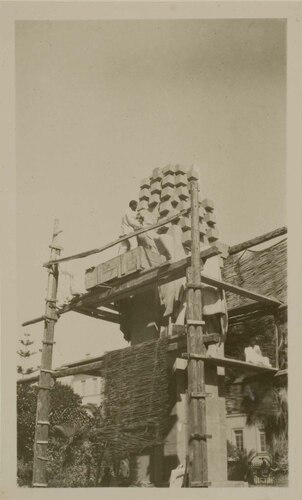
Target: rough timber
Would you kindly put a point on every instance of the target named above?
(89, 303)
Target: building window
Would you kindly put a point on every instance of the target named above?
(262, 441)
(239, 439)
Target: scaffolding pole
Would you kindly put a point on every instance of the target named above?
(45, 377)
(197, 444)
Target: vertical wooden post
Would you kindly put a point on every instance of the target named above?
(198, 461)
(277, 362)
(45, 378)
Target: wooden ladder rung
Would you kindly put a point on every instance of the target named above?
(200, 395)
(196, 322)
(200, 437)
(199, 484)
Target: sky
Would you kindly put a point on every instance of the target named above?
(100, 104)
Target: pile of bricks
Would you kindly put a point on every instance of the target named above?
(166, 192)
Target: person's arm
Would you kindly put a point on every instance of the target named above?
(132, 221)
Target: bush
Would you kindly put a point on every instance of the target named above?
(24, 473)
(67, 409)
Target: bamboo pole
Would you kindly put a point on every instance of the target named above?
(45, 378)
(120, 239)
(276, 339)
(197, 446)
(258, 240)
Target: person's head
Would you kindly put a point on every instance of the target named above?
(133, 205)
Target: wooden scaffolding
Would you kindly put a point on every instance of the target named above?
(190, 338)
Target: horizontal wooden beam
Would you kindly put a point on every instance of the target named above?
(118, 240)
(64, 372)
(232, 363)
(91, 365)
(99, 314)
(258, 240)
(281, 373)
(251, 307)
(33, 321)
(243, 292)
(130, 285)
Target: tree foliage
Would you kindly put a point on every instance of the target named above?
(67, 410)
(75, 450)
(267, 404)
(25, 353)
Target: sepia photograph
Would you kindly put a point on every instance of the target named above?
(152, 253)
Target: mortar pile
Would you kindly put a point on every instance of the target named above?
(135, 397)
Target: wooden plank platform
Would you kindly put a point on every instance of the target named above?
(144, 281)
(176, 344)
(160, 275)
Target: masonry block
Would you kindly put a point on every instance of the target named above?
(155, 187)
(212, 235)
(203, 229)
(157, 174)
(163, 229)
(181, 180)
(154, 200)
(185, 223)
(154, 211)
(208, 205)
(184, 205)
(144, 194)
(204, 241)
(165, 208)
(186, 238)
(193, 173)
(175, 202)
(210, 219)
(169, 169)
(145, 183)
(182, 192)
(180, 169)
(167, 193)
(142, 205)
(202, 212)
(168, 180)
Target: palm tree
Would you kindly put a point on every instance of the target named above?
(267, 404)
(81, 438)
